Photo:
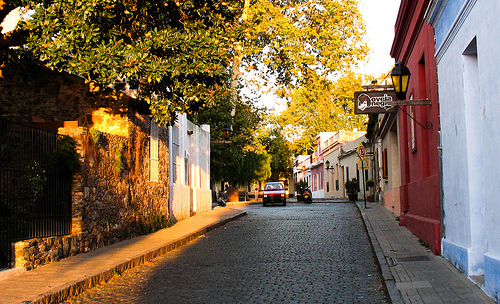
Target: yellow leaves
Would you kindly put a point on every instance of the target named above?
(93, 87)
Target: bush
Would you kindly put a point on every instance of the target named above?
(301, 187)
(370, 183)
(352, 186)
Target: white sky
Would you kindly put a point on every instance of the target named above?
(379, 17)
(10, 21)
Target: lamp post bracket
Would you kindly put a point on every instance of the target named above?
(377, 87)
(411, 102)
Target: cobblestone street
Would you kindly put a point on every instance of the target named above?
(300, 253)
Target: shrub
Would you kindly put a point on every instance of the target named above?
(352, 186)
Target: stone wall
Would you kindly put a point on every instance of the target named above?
(36, 252)
(113, 197)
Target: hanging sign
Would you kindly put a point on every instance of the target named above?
(374, 102)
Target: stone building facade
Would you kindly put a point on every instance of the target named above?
(122, 189)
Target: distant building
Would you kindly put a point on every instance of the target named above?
(338, 165)
(328, 183)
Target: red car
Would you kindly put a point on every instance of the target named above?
(274, 192)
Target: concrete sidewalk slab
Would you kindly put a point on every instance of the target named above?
(412, 273)
(58, 281)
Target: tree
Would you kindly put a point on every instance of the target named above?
(287, 41)
(175, 54)
(244, 159)
(321, 106)
(280, 151)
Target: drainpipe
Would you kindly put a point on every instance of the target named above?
(441, 193)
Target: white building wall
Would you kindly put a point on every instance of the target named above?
(348, 160)
(469, 95)
(189, 147)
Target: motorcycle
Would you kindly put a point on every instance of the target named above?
(307, 196)
(222, 198)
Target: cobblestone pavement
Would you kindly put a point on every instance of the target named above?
(300, 253)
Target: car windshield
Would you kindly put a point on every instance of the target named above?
(277, 186)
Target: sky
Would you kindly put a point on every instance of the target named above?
(10, 21)
(380, 18)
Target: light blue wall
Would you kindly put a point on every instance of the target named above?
(469, 90)
(492, 277)
(450, 10)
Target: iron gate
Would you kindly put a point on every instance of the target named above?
(35, 199)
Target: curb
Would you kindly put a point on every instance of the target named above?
(393, 294)
(76, 287)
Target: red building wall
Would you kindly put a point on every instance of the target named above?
(420, 203)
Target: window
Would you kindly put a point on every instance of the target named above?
(384, 164)
(176, 158)
(412, 127)
(153, 152)
(187, 169)
(337, 174)
(320, 180)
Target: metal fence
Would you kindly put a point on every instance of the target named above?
(35, 199)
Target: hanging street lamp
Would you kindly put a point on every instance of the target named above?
(400, 76)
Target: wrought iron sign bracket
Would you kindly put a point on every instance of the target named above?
(427, 126)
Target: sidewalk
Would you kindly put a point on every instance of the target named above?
(56, 282)
(412, 273)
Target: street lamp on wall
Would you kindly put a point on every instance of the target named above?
(327, 163)
(226, 131)
(400, 76)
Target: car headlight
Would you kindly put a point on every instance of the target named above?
(265, 195)
(283, 195)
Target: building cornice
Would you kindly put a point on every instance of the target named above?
(455, 27)
(409, 22)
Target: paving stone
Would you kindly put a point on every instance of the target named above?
(426, 281)
(317, 253)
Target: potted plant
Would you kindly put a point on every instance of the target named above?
(352, 189)
(370, 184)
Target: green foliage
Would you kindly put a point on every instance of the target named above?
(301, 187)
(370, 183)
(96, 137)
(36, 180)
(244, 159)
(288, 41)
(175, 54)
(153, 222)
(321, 106)
(280, 151)
(65, 158)
(352, 186)
(118, 158)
